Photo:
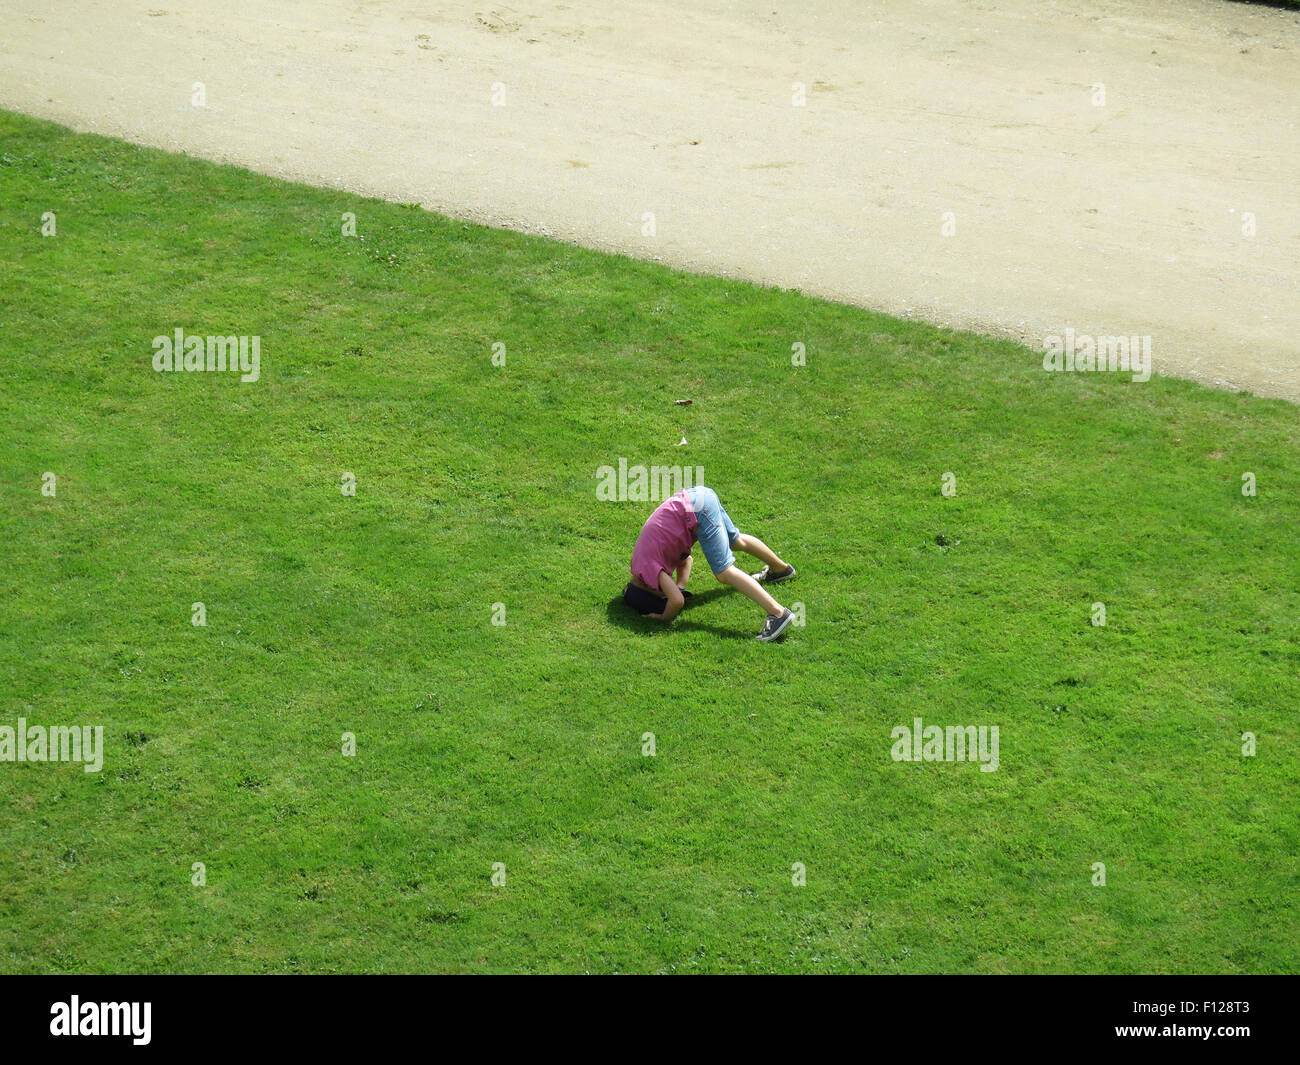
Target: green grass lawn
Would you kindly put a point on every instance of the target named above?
(522, 744)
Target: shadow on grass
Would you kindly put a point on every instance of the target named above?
(625, 617)
(1285, 5)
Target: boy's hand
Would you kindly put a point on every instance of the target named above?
(674, 596)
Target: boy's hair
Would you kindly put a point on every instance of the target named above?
(644, 602)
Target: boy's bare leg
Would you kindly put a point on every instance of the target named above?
(752, 545)
(743, 582)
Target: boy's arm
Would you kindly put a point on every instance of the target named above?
(684, 571)
(668, 587)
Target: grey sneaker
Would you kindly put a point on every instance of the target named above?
(775, 625)
(765, 576)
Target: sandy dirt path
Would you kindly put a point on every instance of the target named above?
(1125, 217)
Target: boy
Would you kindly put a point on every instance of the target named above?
(664, 546)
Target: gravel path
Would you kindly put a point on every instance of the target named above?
(1124, 217)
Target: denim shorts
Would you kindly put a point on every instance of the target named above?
(716, 531)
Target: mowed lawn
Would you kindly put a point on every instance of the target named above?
(521, 744)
